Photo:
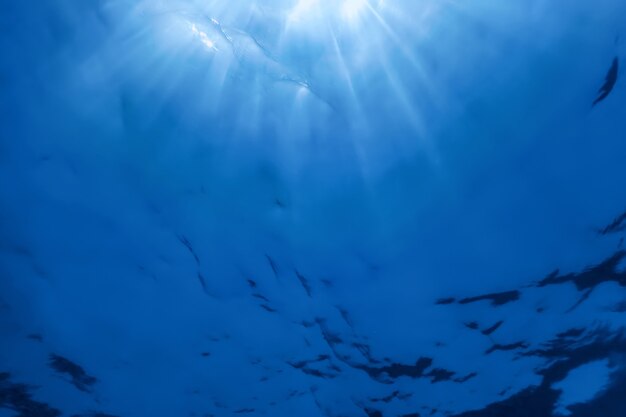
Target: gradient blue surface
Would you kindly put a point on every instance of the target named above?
(376, 208)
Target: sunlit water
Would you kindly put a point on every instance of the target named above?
(312, 208)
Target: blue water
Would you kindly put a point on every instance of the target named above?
(368, 208)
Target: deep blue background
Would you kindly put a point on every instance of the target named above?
(312, 208)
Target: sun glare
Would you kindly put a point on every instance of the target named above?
(204, 38)
(332, 61)
(352, 9)
(348, 11)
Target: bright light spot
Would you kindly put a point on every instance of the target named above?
(311, 11)
(351, 9)
(301, 10)
(204, 38)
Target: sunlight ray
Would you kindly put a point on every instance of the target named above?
(414, 118)
(355, 117)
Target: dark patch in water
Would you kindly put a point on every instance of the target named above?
(445, 301)
(307, 368)
(304, 283)
(272, 265)
(609, 82)
(95, 414)
(565, 353)
(488, 331)
(80, 379)
(373, 413)
(465, 378)
(511, 346)
(268, 308)
(617, 225)
(497, 299)
(471, 325)
(605, 271)
(440, 375)
(18, 397)
(391, 397)
(36, 337)
(183, 239)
